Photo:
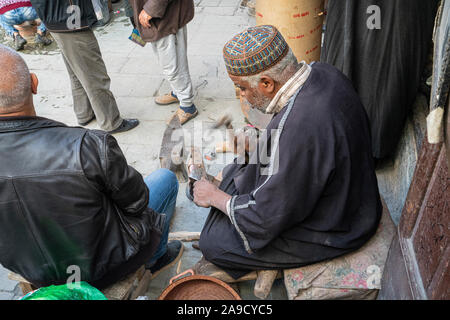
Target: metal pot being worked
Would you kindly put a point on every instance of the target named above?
(197, 287)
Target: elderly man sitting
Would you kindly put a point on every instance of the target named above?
(317, 198)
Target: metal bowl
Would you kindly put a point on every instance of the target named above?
(197, 287)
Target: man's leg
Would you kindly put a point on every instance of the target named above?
(30, 14)
(81, 104)
(172, 55)
(129, 12)
(182, 79)
(163, 191)
(7, 22)
(19, 16)
(42, 29)
(82, 54)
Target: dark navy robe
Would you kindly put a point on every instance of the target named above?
(316, 199)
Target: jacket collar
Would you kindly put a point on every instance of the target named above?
(10, 124)
(289, 89)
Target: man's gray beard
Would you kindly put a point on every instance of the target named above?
(262, 103)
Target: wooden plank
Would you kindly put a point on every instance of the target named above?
(185, 236)
(264, 283)
(16, 277)
(432, 232)
(26, 287)
(418, 269)
(426, 164)
(206, 268)
(143, 285)
(123, 289)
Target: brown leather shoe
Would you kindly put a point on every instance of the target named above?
(166, 99)
(183, 116)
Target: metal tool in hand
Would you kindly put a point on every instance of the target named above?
(196, 171)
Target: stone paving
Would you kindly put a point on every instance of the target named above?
(136, 79)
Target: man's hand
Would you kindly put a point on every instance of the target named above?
(144, 19)
(203, 193)
(206, 194)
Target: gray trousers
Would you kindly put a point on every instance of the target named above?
(89, 79)
(128, 8)
(172, 55)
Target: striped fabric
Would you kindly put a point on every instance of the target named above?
(8, 5)
(254, 51)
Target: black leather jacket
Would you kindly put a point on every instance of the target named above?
(65, 15)
(68, 198)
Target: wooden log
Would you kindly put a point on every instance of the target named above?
(23, 283)
(206, 268)
(16, 277)
(224, 147)
(143, 285)
(123, 289)
(264, 283)
(26, 287)
(184, 236)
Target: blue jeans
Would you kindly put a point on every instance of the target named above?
(19, 16)
(163, 190)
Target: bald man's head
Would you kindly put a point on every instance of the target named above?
(15, 81)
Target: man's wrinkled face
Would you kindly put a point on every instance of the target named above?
(254, 96)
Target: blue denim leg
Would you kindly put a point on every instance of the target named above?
(27, 13)
(42, 28)
(19, 16)
(7, 22)
(30, 14)
(163, 191)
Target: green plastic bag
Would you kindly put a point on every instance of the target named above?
(73, 291)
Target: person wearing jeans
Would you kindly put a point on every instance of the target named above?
(13, 12)
(163, 190)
